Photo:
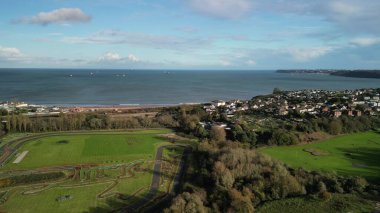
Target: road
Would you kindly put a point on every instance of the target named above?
(156, 179)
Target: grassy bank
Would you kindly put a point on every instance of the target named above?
(88, 148)
(355, 154)
(338, 203)
(102, 190)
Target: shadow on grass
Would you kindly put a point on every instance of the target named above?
(363, 158)
(144, 203)
(115, 205)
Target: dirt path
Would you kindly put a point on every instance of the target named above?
(156, 179)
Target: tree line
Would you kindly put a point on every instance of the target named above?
(187, 119)
(77, 121)
(229, 177)
(30, 178)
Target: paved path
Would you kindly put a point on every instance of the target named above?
(156, 179)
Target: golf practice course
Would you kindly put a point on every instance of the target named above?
(87, 171)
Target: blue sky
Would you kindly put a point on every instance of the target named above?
(190, 34)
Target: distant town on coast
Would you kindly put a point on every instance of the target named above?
(344, 73)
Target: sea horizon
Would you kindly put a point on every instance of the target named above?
(108, 87)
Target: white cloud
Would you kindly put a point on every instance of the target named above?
(306, 54)
(140, 39)
(225, 63)
(61, 16)
(352, 15)
(110, 57)
(251, 62)
(133, 58)
(363, 42)
(355, 15)
(115, 57)
(10, 54)
(344, 8)
(229, 9)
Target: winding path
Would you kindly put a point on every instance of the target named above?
(7, 151)
(156, 179)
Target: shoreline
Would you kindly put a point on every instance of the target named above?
(121, 106)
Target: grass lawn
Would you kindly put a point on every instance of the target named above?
(97, 148)
(87, 147)
(83, 198)
(339, 203)
(355, 154)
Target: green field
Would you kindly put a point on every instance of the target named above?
(86, 148)
(339, 203)
(84, 197)
(355, 154)
(106, 152)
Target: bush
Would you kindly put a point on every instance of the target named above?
(31, 178)
(325, 195)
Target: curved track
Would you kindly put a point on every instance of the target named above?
(7, 152)
(156, 179)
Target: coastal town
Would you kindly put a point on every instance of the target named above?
(16, 107)
(281, 103)
(311, 102)
(293, 105)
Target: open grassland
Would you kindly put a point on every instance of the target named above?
(355, 154)
(120, 174)
(338, 203)
(88, 148)
(83, 198)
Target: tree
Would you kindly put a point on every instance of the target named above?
(218, 133)
(240, 203)
(2, 128)
(335, 127)
(96, 123)
(187, 203)
(108, 121)
(3, 112)
(322, 187)
(167, 120)
(13, 123)
(281, 137)
(223, 176)
(276, 91)
(239, 134)
(201, 132)
(8, 124)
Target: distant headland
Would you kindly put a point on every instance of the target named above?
(344, 73)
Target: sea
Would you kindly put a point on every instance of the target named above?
(77, 87)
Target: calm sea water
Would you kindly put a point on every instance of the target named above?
(109, 87)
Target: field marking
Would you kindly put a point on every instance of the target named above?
(20, 157)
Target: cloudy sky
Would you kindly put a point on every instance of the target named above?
(190, 34)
